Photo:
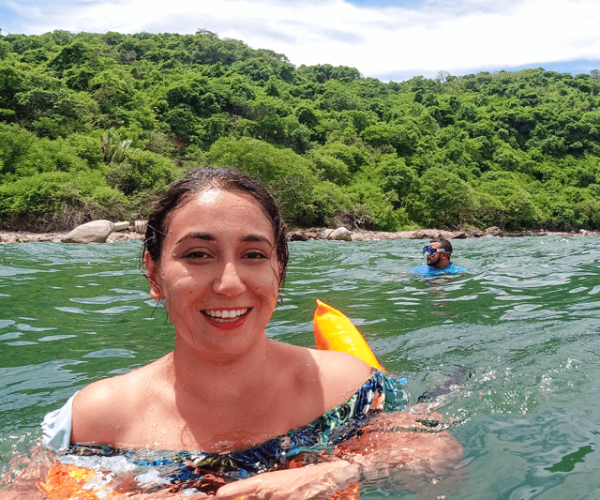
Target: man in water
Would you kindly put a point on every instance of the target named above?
(438, 254)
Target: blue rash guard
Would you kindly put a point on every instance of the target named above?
(426, 270)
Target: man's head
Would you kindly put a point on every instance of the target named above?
(438, 253)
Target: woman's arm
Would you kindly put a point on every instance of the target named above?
(302, 483)
(398, 450)
(408, 451)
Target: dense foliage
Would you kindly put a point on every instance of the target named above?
(96, 125)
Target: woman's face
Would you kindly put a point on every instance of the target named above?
(218, 273)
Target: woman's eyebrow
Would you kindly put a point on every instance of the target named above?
(196, 236)
(256, 238)
(250, 238)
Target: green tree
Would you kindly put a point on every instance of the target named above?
(141, 171)
(112, 89)
(76, 54)
(57, 201)
(288, 175)
(329, 167)
(398, 179)
(515, 207)
(371, 208)
(445, 200)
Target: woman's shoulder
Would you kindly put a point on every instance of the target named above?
(101, 408)
(102, 393)
(331, 365)
(125, 389)
(98, 410)
(336, 365)
(335, 375)
(343, 374)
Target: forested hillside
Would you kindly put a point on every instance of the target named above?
(96, 125)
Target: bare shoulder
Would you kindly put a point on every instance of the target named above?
(341, 373)
(331, 367)
(101, 395)
(98, 411)
(102, 409)
(317, 381)
(334, 364)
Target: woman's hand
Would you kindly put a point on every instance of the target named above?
(403, 450)
(410, 451)
(302, 483)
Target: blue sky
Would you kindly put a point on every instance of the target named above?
(385, 39)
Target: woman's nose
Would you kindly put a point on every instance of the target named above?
(229, 282)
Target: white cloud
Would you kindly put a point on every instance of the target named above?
(457, 36)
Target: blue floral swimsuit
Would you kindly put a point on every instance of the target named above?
(380, 392)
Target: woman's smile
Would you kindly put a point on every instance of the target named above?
(227, 319)
(226, 314)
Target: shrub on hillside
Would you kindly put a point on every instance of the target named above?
(56, 201)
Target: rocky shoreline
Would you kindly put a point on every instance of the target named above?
(55, 237)
(340, 233)
(419, 234)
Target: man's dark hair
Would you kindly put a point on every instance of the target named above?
(444, 243)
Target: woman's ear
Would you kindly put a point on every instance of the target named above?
(155, 290)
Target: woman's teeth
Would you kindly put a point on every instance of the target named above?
(227, 313)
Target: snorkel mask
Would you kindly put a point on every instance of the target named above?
(429, 251)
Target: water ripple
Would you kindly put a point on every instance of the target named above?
(524, 320)
(111, 353)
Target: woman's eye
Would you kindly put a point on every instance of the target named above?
(196, 255)
(255, 255)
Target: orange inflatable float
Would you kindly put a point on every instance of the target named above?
(65, 481)
(333, 332)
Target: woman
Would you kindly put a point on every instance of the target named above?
(216, 254)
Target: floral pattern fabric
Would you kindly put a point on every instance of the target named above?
(380, 392)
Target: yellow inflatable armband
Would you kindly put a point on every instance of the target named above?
(335, 332)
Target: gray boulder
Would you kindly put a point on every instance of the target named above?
(297, 235)
(141, 226)
(493, 231)
(121, 226)
(341, 233)
(92, 232)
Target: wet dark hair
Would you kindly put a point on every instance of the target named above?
(444, 243)
(204, 178)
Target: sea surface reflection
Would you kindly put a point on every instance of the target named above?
(525, 321)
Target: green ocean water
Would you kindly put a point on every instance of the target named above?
(525, 321)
